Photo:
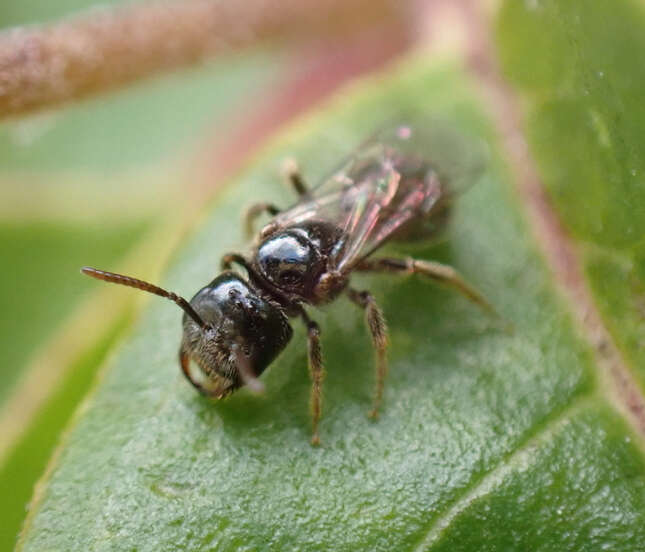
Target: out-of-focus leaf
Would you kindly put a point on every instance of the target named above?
(576, 67)
(93, 162)
(26, 460)
(149, 123)
(477, 424)
(36, 291)
(39, 11)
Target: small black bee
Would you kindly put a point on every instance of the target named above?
(234, 328)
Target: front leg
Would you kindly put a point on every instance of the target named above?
(316, 372)
(253, 212)
(229, 259)
(378, 330)
(294, 178)
(184, 362)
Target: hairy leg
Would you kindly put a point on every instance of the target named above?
(253, 212)
(294, 177)
(436, 271)
(316, 372)
(295, 180)
(184, 361)
(378, 330)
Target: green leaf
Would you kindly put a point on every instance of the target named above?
(140, 126)
(38, 299)
(34, 11)
(26, 460)
(583, 89)
(477, 425)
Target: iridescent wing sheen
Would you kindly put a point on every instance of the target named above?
(399, 175)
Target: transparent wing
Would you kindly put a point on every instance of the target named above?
(399, 175)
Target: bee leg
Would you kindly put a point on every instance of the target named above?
(253, 212)
(378, 329)
(316, 372)
(294, 177)
(184, 361)
(438, 272)
(227, 261)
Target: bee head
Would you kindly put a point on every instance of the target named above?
(243, 334)
(229, 331)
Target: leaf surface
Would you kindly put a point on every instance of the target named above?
(481, 430)
(582, 87)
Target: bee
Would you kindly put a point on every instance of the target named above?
(389, 189)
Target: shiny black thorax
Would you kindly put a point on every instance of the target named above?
(294, 263)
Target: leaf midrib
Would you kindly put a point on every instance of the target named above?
(561, 255)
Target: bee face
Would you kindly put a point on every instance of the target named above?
(242, 327)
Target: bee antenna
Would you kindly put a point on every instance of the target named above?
(145, 286)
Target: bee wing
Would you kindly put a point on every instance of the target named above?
(398, 175)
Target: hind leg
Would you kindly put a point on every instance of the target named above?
(438, 272)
